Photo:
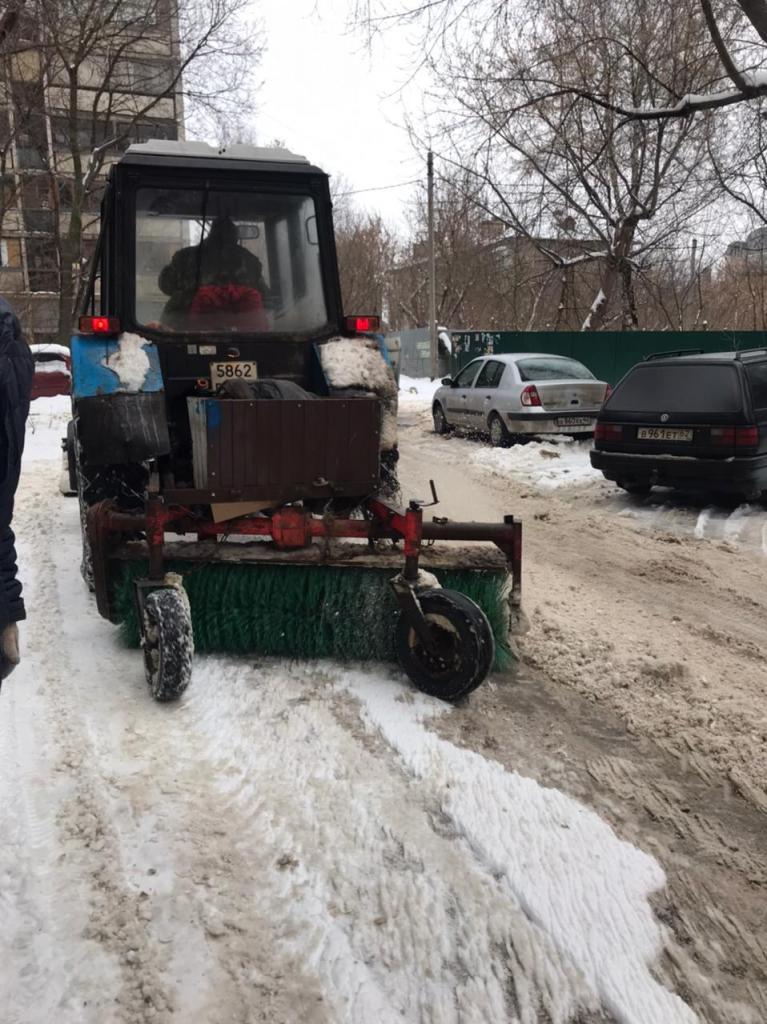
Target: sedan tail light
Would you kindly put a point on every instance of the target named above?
(608, 432)
(530, 395)
(608, 392)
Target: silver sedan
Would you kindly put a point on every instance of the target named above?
(523, 393)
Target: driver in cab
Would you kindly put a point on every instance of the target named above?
(216, 285)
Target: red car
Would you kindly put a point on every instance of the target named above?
(53, 365)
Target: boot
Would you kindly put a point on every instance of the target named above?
(9, 649)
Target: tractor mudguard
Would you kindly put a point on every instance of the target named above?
(121, 416)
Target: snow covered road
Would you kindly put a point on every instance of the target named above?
(292, 842)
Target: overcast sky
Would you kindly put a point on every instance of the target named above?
(327, 97)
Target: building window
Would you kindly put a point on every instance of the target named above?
(42, 265)
(139, 75)
(3, 252)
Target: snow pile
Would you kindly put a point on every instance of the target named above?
(587, 890)
(130, 362)
(52, 366)
(358, 363)
(545, 465)
(46, 426)
(416, 393)
(50, 349)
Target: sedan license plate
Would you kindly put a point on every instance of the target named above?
(663, 434)
(220, 373)
(574, 421)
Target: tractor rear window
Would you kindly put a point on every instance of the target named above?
(215, 261)
(679, 387)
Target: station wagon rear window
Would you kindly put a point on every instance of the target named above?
(680, 387)
(553, 368)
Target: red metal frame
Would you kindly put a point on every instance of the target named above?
(293, 527)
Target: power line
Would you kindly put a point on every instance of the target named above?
(378, 188)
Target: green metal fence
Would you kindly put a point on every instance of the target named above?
(608, 354)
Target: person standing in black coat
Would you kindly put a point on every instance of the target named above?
(16, 372)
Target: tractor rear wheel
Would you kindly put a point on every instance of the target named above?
(465, 646)
(168, 643)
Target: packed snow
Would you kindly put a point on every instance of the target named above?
(290, 842)
(129, 362)
(358, 363)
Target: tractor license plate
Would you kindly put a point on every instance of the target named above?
(574, 421)
(220, 373)
(663, 434)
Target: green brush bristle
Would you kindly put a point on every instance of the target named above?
(305, 611)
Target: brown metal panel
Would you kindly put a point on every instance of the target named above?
(274, 447)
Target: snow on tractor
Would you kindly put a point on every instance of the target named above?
(234, 440)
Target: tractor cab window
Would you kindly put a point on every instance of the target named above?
(209, 261)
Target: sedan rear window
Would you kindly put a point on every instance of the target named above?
(553, 368)
(681, 387)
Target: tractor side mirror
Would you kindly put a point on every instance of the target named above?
(447, 381)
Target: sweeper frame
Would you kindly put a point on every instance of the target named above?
(183, 486)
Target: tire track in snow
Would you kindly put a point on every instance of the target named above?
(400, 921)
(117, 914)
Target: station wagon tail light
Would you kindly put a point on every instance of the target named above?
(530, 395)
(741, 437)
(99, 325)
(363, 324)
(746, 437)
(608, 432)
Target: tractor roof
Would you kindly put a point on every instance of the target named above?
(161, 152)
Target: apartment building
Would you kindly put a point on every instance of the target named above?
(54, 115)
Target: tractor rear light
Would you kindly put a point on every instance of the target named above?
(530, 395)
(608, 432)
(746, 437)
(363, 324)
(99, 325)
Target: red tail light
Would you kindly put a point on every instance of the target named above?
(747, 437)
(741, 437)
(722, 435)
(99, 325)
(530, 395)
(363, 324)
(608, 392)
(608, 432)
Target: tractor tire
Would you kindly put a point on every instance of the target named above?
(499, 435)
(441, 426)
(465, 640)
(69, 448)
(168, 643)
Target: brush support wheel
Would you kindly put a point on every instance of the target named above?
(464, 640)
(167, 642)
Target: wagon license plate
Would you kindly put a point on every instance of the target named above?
(663, 434)
(220, 373)
(575, 421)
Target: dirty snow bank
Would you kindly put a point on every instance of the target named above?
(586, 889)
(545, 465)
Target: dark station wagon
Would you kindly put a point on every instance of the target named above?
(697, 422)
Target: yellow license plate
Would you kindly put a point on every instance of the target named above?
(220, 373)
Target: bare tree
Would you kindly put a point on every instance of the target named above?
(112, 71)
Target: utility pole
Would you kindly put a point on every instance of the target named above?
(432, 270)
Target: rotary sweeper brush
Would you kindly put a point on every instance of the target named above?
(234, 442)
